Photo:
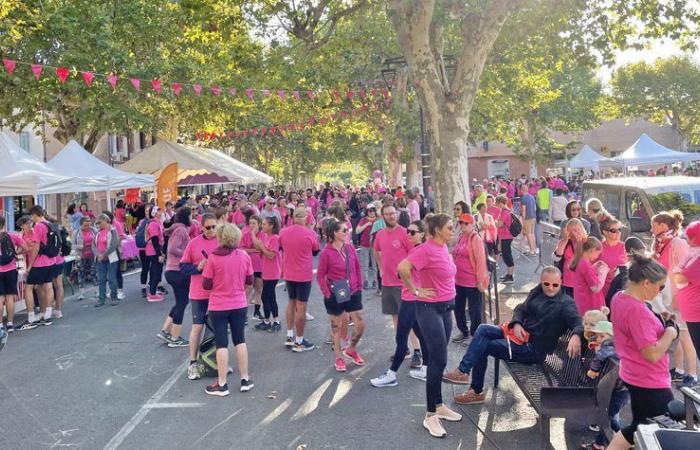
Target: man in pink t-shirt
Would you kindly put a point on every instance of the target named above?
(391, 246)
(8, 272)
(41, 272)
(299, 245)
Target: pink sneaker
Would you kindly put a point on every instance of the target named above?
(155, 298)
(355, 356)
(340, 365)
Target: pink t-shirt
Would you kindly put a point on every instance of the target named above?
(247, 244)
(88, 236)
(332, 267)
(154, 228)
(365, 241)
(568, 277)
(237, 218)
(312, 203)
(102, 240)
(17, 241)
(195, 229)
(119, 227)
(271, 267)
(613, 256)
(586, 276)
(32, 246)
(394, 246)
(228, 273)
(406, 295)
(193, 255)
(636, 327)
(466, 276)
(689, 296)
(41, 231)
(504, 231)
(435, 269)
(413, 210)
(298, 244)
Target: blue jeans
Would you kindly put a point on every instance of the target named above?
(107, 272)
(489, 341)
(619, 399)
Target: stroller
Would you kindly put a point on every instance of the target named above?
(207, 351)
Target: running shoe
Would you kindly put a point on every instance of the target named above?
(374, 285)
(506, 279)
(689, 381)
(303, 346)
(164, 336)
(340, 365)
(215, 389)
(161, 290)
(114, 302)
(470, 398)
(419, 374)
(246, 385)
(155, 298)
(355, 356)
(120, 294)
(416, 359)
(434, 426)
(445, 413)
(461, 337)
(276, 327)
(289, 343)
(365, 285)
(456, 376)
(179, 342)
(10, 328)
(262, 326)
(194, 371)
(387, 379)
(99, 304)
(257, 315)
(44, 321)
(57, 314)
(309, 317)
(675, 376)
(144, 293)
(81, 297)
(27, 326)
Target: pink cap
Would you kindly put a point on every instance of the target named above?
(692, 231)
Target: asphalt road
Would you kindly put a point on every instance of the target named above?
(99, 378)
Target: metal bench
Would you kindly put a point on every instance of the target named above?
(559, 387)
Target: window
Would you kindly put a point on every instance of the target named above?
(611, 201)
(635, 208)
(24, 141)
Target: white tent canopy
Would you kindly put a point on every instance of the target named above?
(21, 173)
(74, 160)
(646, 151)
(587, 158)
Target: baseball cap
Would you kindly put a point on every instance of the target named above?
(467, 218)
(603, 326)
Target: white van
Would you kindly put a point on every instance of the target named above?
(635, 200)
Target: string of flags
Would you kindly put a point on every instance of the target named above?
(283, 130)
(368, 91)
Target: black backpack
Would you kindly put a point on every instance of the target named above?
(7, 247)
(516, 226)
(404, 219)
(53, 241)
(66, 244)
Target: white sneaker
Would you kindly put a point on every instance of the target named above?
(434, 427)
(419, 374)
(387, 379)
(57, 314)
(309, 317)
(194, 371)
(121, 295)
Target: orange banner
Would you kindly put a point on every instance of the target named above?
(166, 185)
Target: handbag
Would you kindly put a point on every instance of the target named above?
(341, 288)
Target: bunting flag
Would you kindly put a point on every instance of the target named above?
(155, 84)
(9, 65)
(232, 91)
(197, 89)
(87, 77)
(177, 87)
(112, 80)
(62, 74)
(216, 90)
(36, 69)
(136, 83)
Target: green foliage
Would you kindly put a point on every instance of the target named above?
(668, 201)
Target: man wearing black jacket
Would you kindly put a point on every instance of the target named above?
(546, 315)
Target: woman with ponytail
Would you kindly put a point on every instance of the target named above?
(588, 277)
(613, 253)
(572, 233)
(669, 250)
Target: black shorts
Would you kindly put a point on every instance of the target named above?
(492, 248)
(222, 320)
(645, 404)
(257, 275)
(199, 311)
(299, 290)
(8, 283)
(57, 270)
(40, 275)
(333, 308)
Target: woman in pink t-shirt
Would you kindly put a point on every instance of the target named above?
(435, 299)
(503, 222)
(642, 341)
(227, 272)
(247, 244)
(687, 278)
(588, 277)
(268, 244)
(573, 233)
(613, 254)
(154, 254)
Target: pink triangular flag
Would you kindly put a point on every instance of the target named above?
(238, 134)
(245, 133)
(333, 117)
(266, 92)
(112, 80)
(386, 93)
(87, 77)
(343, 114)
(363, 94)
(62, 73)
(136, 83)
(216, 90)
(323, 121)
(281, 94)
(301, 125)
(37, 68)
(374, 92)
(177, 87)
(350, 95)
(263, 130)
(336, 95)
(249, 93)
(228, 135)
(310, 94)
(273, 130)
(155, 84)
(197, 89)
(255, 131)
(296, 95)
(312, 121)
(9, 65)
(232, 91)
(198, 135)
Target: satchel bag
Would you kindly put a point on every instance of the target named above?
(341, 288)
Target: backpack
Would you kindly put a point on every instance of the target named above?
(516, 226)
(66, 244)
(7, 247)
(404, 219)
(140, 235)
(53, 241)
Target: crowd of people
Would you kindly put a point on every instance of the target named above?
(224, 252)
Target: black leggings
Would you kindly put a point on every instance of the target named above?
(435, 321)
(694, 331)
(222, 320)
(269, 298)
(405, 323)
(155, 274)
(507, 252)
(145, 266)
(645, 403)
(474, 298)
(120, 277)
(181, 289)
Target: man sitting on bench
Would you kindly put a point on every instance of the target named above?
(538, 323)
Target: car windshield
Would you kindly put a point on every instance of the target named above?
(686, 199)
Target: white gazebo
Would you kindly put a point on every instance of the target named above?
(587, 158)
(647, 152)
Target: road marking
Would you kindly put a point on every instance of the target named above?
(126, 430)
(215, 427)
(174, 405)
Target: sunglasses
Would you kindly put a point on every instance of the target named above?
(614, 231)
(662, 287)
(210, 227)
(461, 222)
(548, 284)
(412, 232)
(343, 230)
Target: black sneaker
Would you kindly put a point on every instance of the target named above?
(144, 292)
(10, 328)
(416, 359)
(506, 279)
(276, 326)
(179, 342)
(289, 343)
(215, 389)
(675, 376)
(164, 336)
(246, 385)
(161, 290)
(257, 315)
(45, 322)
(27, 326)
(461, 337)
(262, 326)
(303, 346)
(99, 304)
